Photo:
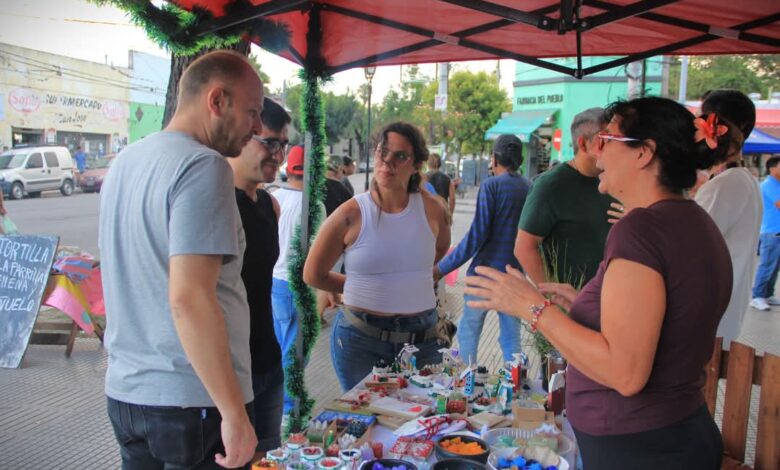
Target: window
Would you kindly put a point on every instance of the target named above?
(35, 161)
(51, 159)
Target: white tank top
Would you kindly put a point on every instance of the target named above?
(290, 205)
(390, 266)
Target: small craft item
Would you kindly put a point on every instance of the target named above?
(280, 457)
(366, 453)
(355, 401)
(516, 365)
(316, 431)
(527, 462)
(379, 466)
(406, 360)
(351, 458)
(346, 441)
(557, 392)
(378, 449)
(330, 438)
(456, 403)
(485, 418)
(405, 447)
(391, 406)
(386, 384)
(390, 422)
(545, 435)
(422, 381)
(380, 369)
(468, 378)
(332, 450)
(504, 397)
(456, 445)
(356, 428)
(264, 464)
(430, 427)
(296, 441)
(312, 454)
(330, 463)
(481, 404)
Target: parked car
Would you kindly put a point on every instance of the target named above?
(30, 170)
(361, 167)
(92, 178)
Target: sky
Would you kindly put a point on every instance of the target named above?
(79, 29)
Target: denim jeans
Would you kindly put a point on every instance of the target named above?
(354, 353)
(769, 262)
(167, 437)
(470, 329)
(269, 401)
(285, 326)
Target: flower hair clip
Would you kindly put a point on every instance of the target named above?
(709, 130)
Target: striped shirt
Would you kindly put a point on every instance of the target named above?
(491, 239)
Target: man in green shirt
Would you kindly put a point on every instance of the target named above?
(566, 214)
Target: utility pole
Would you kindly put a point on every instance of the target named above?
(683, 93)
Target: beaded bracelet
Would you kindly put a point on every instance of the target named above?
(536, 312)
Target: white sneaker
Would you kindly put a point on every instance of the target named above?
(773, 300)
(759, 304)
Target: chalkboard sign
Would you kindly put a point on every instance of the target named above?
(25, 262)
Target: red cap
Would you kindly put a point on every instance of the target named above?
(295, 160)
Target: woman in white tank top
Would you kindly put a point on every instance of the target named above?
(391, 238)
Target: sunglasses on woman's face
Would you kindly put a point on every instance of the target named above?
(604, 137)
(272, 144)
(398, 157)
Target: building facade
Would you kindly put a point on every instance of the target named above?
(52, 99)
(149, 82)
(545, 102)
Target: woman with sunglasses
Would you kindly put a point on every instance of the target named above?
(391, 237)
(639, 334)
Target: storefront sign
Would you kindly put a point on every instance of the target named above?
(24, 100)
(25, 261)
(440, 103)
(79, 102)
(541, 99)
(114, 110)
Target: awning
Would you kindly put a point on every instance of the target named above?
(520, 123)
(760, 142)
(335, 35)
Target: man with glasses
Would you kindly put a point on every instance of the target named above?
(565, 214)
(258, 163)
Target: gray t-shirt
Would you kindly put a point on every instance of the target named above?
(167, 195)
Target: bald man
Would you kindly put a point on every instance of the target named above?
(179, 382)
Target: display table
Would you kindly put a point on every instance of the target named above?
(383, 434)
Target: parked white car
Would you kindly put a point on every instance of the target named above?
(30, 170)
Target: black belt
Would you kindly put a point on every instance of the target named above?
(389, 336)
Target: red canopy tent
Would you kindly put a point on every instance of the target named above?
(357, 33)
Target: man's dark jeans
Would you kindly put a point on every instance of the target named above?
(166, 437)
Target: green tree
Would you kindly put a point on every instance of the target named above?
(746, 73)
(253, 59)
(341, 112)
(476, 102)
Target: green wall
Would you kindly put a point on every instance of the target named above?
(537, 88)
(150, 120)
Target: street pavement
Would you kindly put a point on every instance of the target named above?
(52, 409)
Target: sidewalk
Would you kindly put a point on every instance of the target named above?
(52, 410)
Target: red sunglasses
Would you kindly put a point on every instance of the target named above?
(604, 137)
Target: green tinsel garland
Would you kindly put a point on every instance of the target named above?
(172, 27)
(313, 120)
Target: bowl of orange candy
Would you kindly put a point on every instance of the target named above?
(464, 447)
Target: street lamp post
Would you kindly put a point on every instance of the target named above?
(369, 71)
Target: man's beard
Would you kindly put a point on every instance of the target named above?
(223, 143)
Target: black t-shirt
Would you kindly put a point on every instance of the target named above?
(348, 184)
(336, 194)
(440, 182)
(262, 251)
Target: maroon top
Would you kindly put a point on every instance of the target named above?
(678, 239)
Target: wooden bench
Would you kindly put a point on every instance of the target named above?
(742, 369)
